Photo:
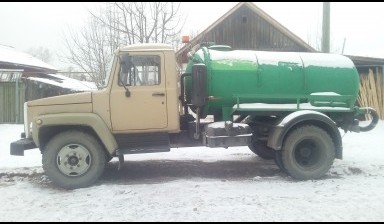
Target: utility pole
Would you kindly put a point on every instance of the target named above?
(325, 40)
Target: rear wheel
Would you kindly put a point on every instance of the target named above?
(261, 149)
(308, 153)
(73, 159)
(279, 160)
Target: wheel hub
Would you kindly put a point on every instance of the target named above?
(73, 160)
(307, 153)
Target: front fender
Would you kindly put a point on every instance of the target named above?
(83, 119)
(280, 131)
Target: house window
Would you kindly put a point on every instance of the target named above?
(244, 19)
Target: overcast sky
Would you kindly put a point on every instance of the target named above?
(27, 25)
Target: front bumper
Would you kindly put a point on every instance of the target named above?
(18, 147)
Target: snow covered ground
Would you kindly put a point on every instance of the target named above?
(199, 184)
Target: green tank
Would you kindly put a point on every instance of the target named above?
(271, 77)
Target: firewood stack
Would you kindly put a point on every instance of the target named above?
(372, 92)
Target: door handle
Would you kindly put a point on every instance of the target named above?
(158, 94)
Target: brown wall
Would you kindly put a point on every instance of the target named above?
(244, 29)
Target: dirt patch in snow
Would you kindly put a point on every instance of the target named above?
(160, 171)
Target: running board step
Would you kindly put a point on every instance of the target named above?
(142, 143)
(164, 148)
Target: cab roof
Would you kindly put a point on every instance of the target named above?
(146, 47)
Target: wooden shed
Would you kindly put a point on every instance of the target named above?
(246, 26)
(14, 66)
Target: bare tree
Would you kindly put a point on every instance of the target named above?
(41, 53)
(90, 49)
(121, 23)
(314, 40)
(143, 22)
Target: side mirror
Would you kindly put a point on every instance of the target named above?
(199, 84)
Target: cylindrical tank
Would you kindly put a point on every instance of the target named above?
(231, 72)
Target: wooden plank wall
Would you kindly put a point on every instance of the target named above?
(246, 30)
(8, 113)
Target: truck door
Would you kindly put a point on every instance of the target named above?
(138, 99)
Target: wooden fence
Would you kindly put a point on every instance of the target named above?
(12, 98)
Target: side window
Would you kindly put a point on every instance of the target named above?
(139, 70)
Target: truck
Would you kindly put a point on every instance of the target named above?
(289, 107)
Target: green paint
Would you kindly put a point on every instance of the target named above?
(275, 77)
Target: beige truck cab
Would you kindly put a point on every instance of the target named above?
(135, 112)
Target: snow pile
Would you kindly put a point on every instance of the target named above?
(199, 184)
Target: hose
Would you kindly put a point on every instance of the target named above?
(375, 119)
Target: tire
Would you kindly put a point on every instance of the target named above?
(73, 159)
(261, 149)
(279, 161)
(308, 153)
(108, 158)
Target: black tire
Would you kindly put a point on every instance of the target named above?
(308, 153)
(108, 158)
(261, 149)
(279, 161)
(73, 159)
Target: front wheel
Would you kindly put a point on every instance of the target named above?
(308, 153)
(73, 159)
